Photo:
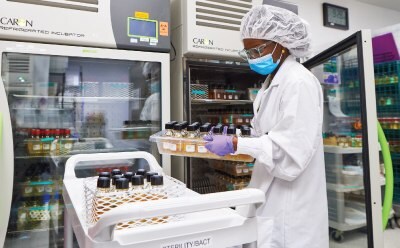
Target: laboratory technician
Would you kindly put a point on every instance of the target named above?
(287, 126)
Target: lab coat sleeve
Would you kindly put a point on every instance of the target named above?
(290, 145)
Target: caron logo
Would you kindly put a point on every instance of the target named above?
(200, 41)
(20, 22)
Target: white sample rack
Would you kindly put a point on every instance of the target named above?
(207, 219)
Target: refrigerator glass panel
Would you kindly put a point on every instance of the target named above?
(61, 106)
(342, 133)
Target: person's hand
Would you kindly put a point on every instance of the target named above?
(220, 144)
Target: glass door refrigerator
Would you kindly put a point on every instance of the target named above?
(56, 101)
(353, 170)
(217, 91)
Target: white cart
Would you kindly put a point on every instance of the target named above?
(208, 219)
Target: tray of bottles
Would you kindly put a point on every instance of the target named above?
(110, 190)
(190, 147)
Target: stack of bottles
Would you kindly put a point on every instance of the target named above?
(233, 168)
(224, 92)
(390, 123)
(118, 188)
(386, 79)
(137, 129)
(343, 141)
(187, 140)
(229, 116)
(227, 182)
(41, 206)
(44, 141)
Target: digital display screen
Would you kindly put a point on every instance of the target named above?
(142, 28)
(337, 16)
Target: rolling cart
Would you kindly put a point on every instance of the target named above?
(207, 220)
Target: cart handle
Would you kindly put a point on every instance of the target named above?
(104, 228)
(74, 160)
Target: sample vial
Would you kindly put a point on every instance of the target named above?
(141, 172)
(169, 132)
(128, 175)
(116, 172)
(137, 182)
(204, 129)
(114, 180)
(148, 177)
(179, 132)
(103, 185)
(193, 131)
(105, 174)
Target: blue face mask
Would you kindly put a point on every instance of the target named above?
(155, 87)
(264, 65)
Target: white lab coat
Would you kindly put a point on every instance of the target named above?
(289, 165)
(151, 108)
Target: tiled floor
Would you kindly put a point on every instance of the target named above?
(358, 240)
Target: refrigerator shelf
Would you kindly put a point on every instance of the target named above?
(30, 231)
(86, 99)
(340, 188)
(341, 150)
(216, 101)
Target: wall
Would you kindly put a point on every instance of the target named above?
(361, 16)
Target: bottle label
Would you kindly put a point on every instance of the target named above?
(218, 96)
(48, 189)
(239, 171)
(28, 190)
(36, 147)
(202, 149)
(68, 146)
(40, 189)
(46, 146)
(245, 170)
(172, 147)
(236, 97)
(230, 97)
(239, 120)
(166, 145)
(190, 148)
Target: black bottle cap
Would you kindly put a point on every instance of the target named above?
(122, 183)
(170, 125)
(178, 127)
(149, 175)
(126, 123)
(231, 130)
(184, 124)
(157, 180)
(141, 172)
(246, 131)
(116, 172)
(205, 128)
(193, 127)
(103, 182)
(244, 127)
(218, 129)
(115, 177)
(128, 175)
(105, 174)
(137, 180)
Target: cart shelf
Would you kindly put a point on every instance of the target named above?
(216, 101)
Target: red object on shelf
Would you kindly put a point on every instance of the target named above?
(67, 133)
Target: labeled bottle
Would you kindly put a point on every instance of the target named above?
(148, 177)
(137, 182)
(193, 132)
(122, 185)
(245, 132)
(218, 129)
(114, 180)
(156, 181)
(28, 188)
(169, 132)
(128, 175)
(204, 131)
(176, 145)
(231, 131)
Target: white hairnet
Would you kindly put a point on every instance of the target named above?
(280, 25)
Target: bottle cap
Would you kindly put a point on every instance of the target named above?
(193, 127)
(104, 174)
(246, 131)
(116, 172)
(126, 123)
(184, 124)
(141, 172)
(103, 182)
(115, 178)
(218, 129)
(157, 180)
(170, 125)
(178, 127)
(122, 183)
(205, 128)
(128, 175)
(231, 130)
(150, 174)
(137, 180)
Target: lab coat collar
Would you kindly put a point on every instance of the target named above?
(283, 70)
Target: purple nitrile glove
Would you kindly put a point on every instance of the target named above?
(220, 144)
